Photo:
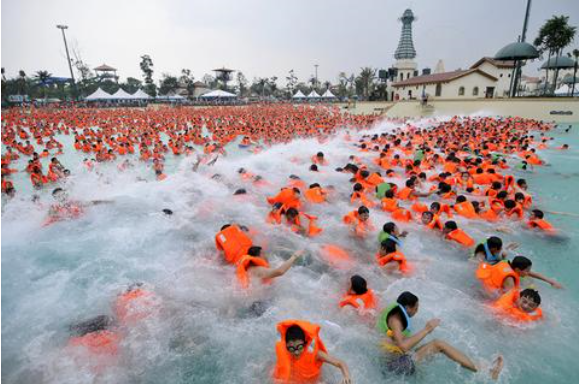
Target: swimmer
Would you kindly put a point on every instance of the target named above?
(301, 353)
(391, 231)
(521, 306)
(453, 233)
(359, 296)
(402, 344)
(255, 267)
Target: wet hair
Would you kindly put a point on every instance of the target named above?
(363, 210)
(519, 196)
(502, 195)
(410, 183)
(358, 187)
(494, 242)
(295, 333)
(254, 251)
(531, 294)
(520, 182)
(538, 213)
(435, 206)
(510, 204)
(57, 190)
(225, 226)
(364, 174)
(496, 185)
(450, 224)
(314, 168)
(460, 199)
(389, 194)
(359, 285)
(167, 211)
(297, 190)
(388, 245)
(407, 299)
(521, 262)
(315, 185)
(240, 191)
(292, 212)
(389, 227)
(98, 323)
(320, 154)
(294, 177)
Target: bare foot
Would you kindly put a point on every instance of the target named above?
(497, 367)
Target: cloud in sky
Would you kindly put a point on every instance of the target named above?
(261, 37)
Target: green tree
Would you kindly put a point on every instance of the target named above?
(147, 69)
(241, 84)
(168, 84)
(553, 37)
(291, 82)
(186, 80)
(132, 85)
(365, 81)
(21, 82)
(575, 55)
(42, 77)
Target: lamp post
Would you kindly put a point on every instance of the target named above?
(62, 28)
(518, 63)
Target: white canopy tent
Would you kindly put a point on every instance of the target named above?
(140, 95)
(217, 94)
(565, 90)
(299, 95)
(99, 94)
(171, 98)
(313, 95)
(122, 95)
(328, 95)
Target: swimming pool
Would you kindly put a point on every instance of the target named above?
(70, 271)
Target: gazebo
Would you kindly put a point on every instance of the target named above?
(106, 72)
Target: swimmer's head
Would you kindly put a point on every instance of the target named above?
(529, 300)
(295, 340)
(314, 168)
(495, 244)
(426, 217)
(387, 246)
(254, 251)
(537, 214)
(409, 301)
(363, 213)
(390, 228)
(240, 191)
(59, 195)
(167, 212)
(522, 265)
(358, 285)
(450, 226)
(291, 213)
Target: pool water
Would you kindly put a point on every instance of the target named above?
(67, 272)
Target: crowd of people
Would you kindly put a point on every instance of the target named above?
(441, 178)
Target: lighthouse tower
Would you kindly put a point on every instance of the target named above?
(405, 53)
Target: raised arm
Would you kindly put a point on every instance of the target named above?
(322, 356)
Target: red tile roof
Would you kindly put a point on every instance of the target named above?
(444, 77)
(496, 63)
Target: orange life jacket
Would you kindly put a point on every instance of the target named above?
(364, 301)
(306, 367)
(405, 194)
(233, 242)
(402, 214)
(243, 265)
(492, 277)
(390, 205)
(101, 342)
(541, 224)
(396, 257)
(133, 305)
(419, 207)
(315, 195)
(465, 209)
(506, 306)
(313, 229)
(360, 227)
(286, 197)
(460, 237)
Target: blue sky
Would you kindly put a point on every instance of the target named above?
(261, 37)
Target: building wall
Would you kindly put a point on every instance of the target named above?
(450, 90)
(504, 76)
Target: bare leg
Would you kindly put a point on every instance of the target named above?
(438, 346)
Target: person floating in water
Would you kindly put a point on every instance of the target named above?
(401, 343)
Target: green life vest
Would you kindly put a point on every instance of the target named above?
(419, 155)
(382, 324)
(381, 190)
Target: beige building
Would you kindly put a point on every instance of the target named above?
(502, 70)
(462, 84)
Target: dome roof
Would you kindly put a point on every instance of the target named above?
(517, 51)
(558, 62)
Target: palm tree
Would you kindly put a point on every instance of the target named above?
(42, 77)
(21, 82)
(366, 79)
(553, 37)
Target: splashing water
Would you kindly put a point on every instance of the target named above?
(207, 330)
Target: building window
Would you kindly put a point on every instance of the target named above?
(408, 76)
(461, 91)
(475, 91)
(438, 91)
(509, 75)
(501, 75)
(401, 76)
